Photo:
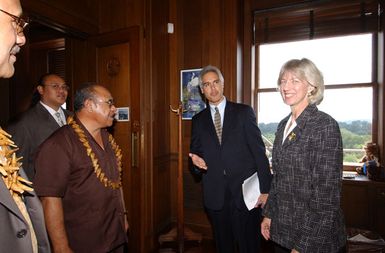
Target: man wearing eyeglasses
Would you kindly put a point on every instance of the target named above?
(41, 120)
(79, 178)
(22, 226)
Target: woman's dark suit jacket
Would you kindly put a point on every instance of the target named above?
(304, 199)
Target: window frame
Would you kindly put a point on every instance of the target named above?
(298, 30)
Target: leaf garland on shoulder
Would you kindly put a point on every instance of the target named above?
(10, 166)
(98, 171)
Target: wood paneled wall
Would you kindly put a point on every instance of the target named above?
(77, 17)
(211, 34)
(216, 32)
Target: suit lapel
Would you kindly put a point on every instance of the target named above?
(228, 121)
(210, 124)
(44, 114)
(295, 135)
(7, 201)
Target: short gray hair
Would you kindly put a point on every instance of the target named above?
(306, 70)
(207, 69)
(85, 92)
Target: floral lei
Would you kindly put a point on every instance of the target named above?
(98, 171)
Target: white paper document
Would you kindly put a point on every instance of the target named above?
(250, 190)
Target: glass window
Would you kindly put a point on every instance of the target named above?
(346, 63)
(342, 60)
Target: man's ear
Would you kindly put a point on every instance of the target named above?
(89, 104)
(40, 89)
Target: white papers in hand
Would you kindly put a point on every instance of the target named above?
(250, 190)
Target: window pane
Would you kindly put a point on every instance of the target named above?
(351, 107)
(271, 110)
(342, 60)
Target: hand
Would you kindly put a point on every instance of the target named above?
(262, 200)
(294, 251)
(265, 228)
(126, 224)
(198, 161)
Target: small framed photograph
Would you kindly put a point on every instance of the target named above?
(191, 95)
(122, 114)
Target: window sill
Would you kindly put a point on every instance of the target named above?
(348, 166)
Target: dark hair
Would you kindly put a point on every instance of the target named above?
(85, 92)
(44, 77)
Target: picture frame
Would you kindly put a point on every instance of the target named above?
(122, 114)
(190, 93)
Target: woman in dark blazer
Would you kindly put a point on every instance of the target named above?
(302, 213)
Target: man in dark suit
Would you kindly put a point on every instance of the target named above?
(227, 148)
(22, 226)
(41, 120)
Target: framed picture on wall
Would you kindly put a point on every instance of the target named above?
(122, 114)
(190, 93)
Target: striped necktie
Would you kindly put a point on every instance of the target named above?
(217, 124)
(59, 119)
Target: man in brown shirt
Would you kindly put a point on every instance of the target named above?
(78, 177)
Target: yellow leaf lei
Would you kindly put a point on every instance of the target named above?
(10, 165)
(98, 171)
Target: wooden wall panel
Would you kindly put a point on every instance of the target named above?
(205, 32)
(81, 63)
(257, 4)
(120, 14)
(160, 95)
(72, 16)
(21, 84)
(211, 35)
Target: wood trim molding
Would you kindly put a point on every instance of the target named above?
(59, 19)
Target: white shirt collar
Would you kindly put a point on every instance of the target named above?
(221, 107)
(288, 128)
(52, 111)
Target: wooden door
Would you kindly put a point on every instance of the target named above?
(118, 68)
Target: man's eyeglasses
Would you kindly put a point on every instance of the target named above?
(21, 23)
(109, 102)
(56, 86)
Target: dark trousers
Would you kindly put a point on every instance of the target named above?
(236, 228)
